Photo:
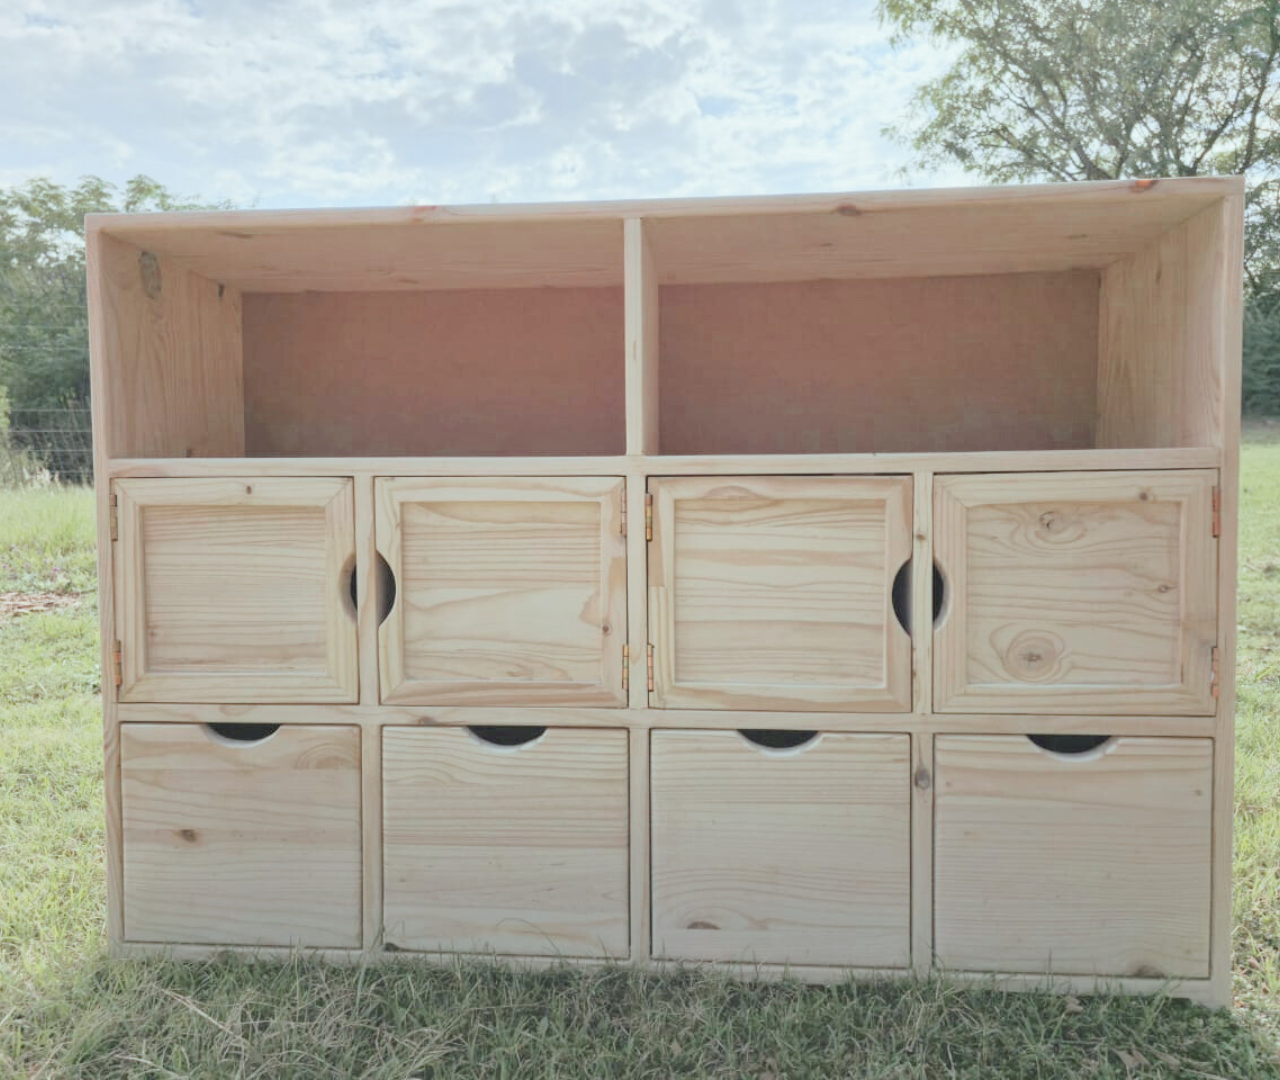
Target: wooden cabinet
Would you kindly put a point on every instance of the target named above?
(925, 472)
(507, 591)
(1094, 863)
(496, 844)
(796, 855)
(230, 842)
(1077, 592)
(235, 590)
(777, 593)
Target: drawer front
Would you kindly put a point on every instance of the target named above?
(1076, 592)
(511, 849)
(776, 593)
(508, 591)
(241, 843)
(1080, 864)
(798, 855)
(235, 590)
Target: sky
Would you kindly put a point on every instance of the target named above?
(301, 103)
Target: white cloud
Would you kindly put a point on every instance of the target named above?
(311, 102)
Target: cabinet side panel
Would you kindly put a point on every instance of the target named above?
(1163, 357)
(167, 356)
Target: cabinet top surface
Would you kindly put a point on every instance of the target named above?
(1018, 228)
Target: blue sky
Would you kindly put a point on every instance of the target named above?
(333, 103)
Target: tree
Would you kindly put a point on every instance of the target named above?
(44, 337)
(1109, 89)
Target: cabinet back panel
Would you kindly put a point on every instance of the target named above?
(468, 372)
(1004, 362)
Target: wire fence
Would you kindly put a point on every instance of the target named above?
(58, 439)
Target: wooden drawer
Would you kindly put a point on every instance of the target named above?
(241, 843)
(508, 591)
(1086, 593)
(511, 849)
(1090, 863)
(235, 590)
(798, 855)
(776, 593)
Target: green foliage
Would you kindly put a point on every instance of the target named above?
(1262, 358)
(17, 467)
(1107, 89)
(44, 336)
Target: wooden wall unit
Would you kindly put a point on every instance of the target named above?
(814, 583)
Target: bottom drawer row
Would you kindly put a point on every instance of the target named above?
(765, 847)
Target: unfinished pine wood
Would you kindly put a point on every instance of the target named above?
(166, 349)
(236, 590)
(1076, 592)
(1006, 362)
(508, 591)
(776, 593)
(1031, 227)
(487, 372)
(229, 843)
(403, 249)
(514, 850)
(643, 342)
(1092, 864)
(1165, 308)
(781, 856)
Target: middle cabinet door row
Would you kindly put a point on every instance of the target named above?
(1053, 592)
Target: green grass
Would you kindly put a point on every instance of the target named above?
(66, 1010)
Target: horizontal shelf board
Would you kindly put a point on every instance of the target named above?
(1194, 457)
(887, 233)
(646, 718)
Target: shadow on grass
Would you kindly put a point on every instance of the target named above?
(232, 1017)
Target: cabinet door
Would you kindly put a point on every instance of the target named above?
(508, 591)
(776, 593)
(799, 855)
(1095, 863)
(236, 590)
(506, 840)
(1076, 592)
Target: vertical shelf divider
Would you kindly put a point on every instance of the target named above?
(642, 331)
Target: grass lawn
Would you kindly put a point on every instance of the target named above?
(66, 1010)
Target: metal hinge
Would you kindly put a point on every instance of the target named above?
(626, 668)
(648, 515)
(117, 664)
(622, 526)
(114, 517)
(1215, 678)
(649, 663)
(1217, 511)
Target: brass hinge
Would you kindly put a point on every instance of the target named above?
(622, 524)
(649, 663)
(117, 664)
(648, 515)
(626, 668)
(114, 517)
(1215, 678)
(1217, 511)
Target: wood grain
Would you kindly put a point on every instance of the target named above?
(241, 843)
(643, 342)
(508, 591)
(236, 590)
(1076, 592)
(168, 351)
(797, 856)
(776, 594)
(513, 850)
(1090, 865)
